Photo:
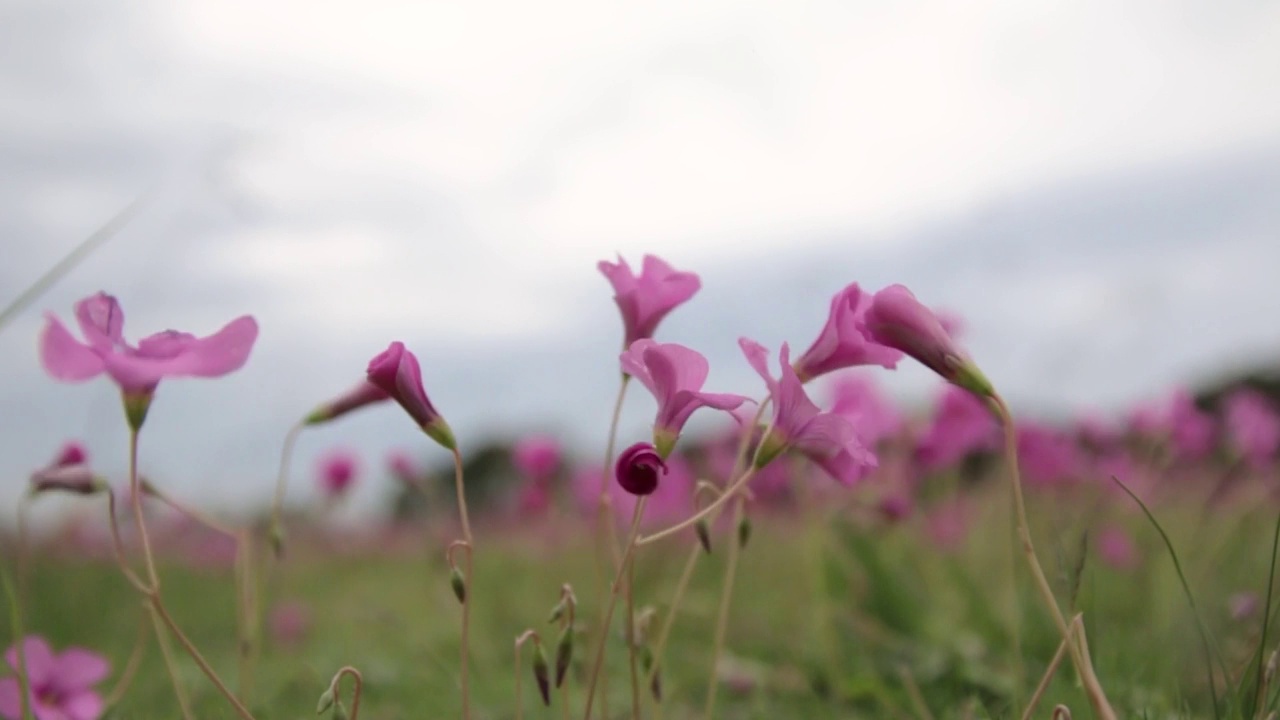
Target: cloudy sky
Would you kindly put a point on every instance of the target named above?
(1094, 186)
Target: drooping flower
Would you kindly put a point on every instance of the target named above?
(1252, 426)
(646, 299)
(639, 468)
(674, 374)
(396, 371)
(61, 686)
(896, 319)
(843, 342)
(137, 370)
(961, 424)
(536, 457)
(362, 394)
(336, 472)
(827, 439)
(858, 399)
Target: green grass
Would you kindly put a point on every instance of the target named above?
(826, 618)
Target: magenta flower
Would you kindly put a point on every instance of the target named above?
(639, 468)
(645, 300)
(843, 342)
(1192, 430)
(825, 438)
(674, 374)
(896, 319)
(1046, 455)
(1116, 548)
(61, 685)
(858, 399)
(362, 394)
(1252, 426)
(137, 370)
(72, 453)
(961, 424)
(397, 373)
(336, 472)
(536, 457)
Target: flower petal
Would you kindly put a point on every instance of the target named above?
(39, 657)
(85, 705)
(101, 320)
(64, 357)
(10, 698)
(222, 352)
(78, 669)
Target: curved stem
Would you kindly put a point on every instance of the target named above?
(714, 505)
(282, 478)
(722, 615)
(631, 639)
(1097, 698)
(135, 498)
(186, 643)
(668, 621)
(179, 690)
(632, 543)
(357, 681)
(118, 547)
(464, 671)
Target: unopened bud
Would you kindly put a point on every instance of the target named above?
(459, 585)
(744, 531)
(557, 612)
(541, 673)
(564, 655)
(339, 711)
(276, 538)
(326, 701)
(704, 534)
(655, 685)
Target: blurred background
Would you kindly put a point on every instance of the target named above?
(1093, 187)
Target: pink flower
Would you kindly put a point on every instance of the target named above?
(842, 342)
(645, 300)
(337, 472)
(825, 438)
(859, 400)
(1046, 455)
(72, 453)
(403, 468)
(61, 685)
(674, 374)
(397, 373)
(1192, 429)
(962, 424)
(137, 370)
(1252, 426)
(639, 468)
(536, 457)
(896, 319)
(1116, 548)
(362, 394)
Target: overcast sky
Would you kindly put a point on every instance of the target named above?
(1094, 186)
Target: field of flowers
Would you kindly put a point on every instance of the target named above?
(826, 554)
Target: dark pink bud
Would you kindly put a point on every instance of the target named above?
(638, 469)
(397, 373)
(365, 393)
(73, 453)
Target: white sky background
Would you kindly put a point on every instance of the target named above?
(1092, 185)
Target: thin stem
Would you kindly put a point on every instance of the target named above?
(135, 492)
(730, 492)
(669, 620)
(179, 691)
(19, 637)
(631, 639)
(722, 615)
(357, 686)
(131, 666)
(466, 600)
(1097, 698)
(186, 643)
(1266, 617)
(632, 543)
(1049, 672)
(606, 530)
(191, 512)
(282, 478)
(118, 546)
(520, 641)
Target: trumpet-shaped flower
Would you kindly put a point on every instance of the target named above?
(138, 369)
(644, 300)
(674, 374)
(827, 439)
(397, 373)
(896, 319)
(843, 342)
(61, 686)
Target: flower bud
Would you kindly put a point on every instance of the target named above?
(326, 701)
(564, 654)
(339, 712)
(744, 531)
(703, 532)
(541, 673)
(639, 468)
(364, 393)
(459, 584)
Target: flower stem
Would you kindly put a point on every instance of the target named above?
(1097, 698)
(118, 547)
(135, 498)
(632, 542)
(282, 478)
(131, 666)
(179, 691)
(357, 686)
(722, 615)
(186, 643)
(606, 530)
(464, 671)
(631, 639)
(711, 507)
(667, 622)
(19, 636)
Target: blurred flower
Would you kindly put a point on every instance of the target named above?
(536, 457)
(895, 506)
(396, 371)
(771, 484)
(1096, 433)
(1243, 605)
(674, 374)
(1116, 548)
(896, 319)
(403, 468)
(1252, 426)
(961, 424)
(61, 686)
(639, 468)
(137, 370)
(858, 399)
(671, 502)
(827, 439)
(1047, 455)
(646, 299)
(290, 622)
(363, 393)
(78, 479)
(947, 525)
(842, 343)
(1192, 429)
(336, 472)
(72, 453)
